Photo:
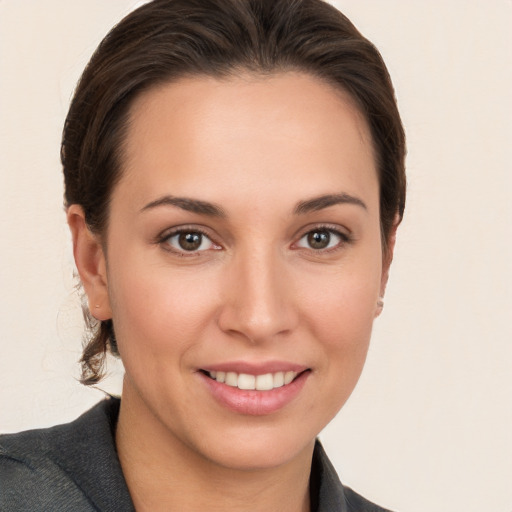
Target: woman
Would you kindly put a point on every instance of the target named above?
(234, 176)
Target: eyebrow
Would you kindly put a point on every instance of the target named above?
(321, 202)
(190, 205)
(212, 210)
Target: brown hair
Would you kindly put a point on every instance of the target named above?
(168, 39)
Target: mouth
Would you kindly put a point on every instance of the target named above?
(255, 391)
(249, 382)
(255, 394)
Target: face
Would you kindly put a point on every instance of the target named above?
(244, 263)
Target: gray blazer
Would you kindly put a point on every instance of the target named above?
(74, 467)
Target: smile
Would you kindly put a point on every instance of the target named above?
(252, 390)
(244, 381)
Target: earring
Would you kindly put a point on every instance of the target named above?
(380, 303)
(97, 306)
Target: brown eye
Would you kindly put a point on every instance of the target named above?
(319, 239)
(189, 241)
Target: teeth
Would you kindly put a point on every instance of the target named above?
(246, 381)
(288, 377)
(231, 379)
(279, 379)
(264, 382)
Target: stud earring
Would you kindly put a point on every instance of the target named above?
(380, 303)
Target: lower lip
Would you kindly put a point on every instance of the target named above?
(253, 402)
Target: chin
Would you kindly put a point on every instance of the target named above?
(258, 452)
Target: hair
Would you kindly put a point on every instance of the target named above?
(165, 40)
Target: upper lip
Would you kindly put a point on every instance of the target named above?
(255, 368)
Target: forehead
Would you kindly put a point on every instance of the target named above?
(250, 130)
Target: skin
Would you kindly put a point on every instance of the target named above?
(255, 147)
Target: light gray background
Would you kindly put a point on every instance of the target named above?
(429, 426)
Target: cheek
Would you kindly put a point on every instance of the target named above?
(342, 305)
(340, 315)
(157, 309)
(343, 329)
(343, 325)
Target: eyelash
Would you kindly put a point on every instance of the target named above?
(164, 239)
(343, 237)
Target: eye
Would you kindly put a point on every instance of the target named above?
(321, 239)
(189, 241)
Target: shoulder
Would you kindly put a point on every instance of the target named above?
(66, 467)
(357, 503)
(330, 494)
(31, 477)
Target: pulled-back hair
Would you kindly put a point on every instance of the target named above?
(165, 40)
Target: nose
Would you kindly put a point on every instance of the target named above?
(258, 301)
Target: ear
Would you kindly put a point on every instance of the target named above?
(387, 258)
(90, 262)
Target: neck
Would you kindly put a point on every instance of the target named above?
(162, 473)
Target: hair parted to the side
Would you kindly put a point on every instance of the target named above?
(165, 40)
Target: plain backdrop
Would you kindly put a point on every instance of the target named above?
(429, 426)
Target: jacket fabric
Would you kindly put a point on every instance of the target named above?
(74, 467)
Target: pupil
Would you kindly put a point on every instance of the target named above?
(190, 241)
(319, 239)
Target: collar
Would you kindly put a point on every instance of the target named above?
(86, 450)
